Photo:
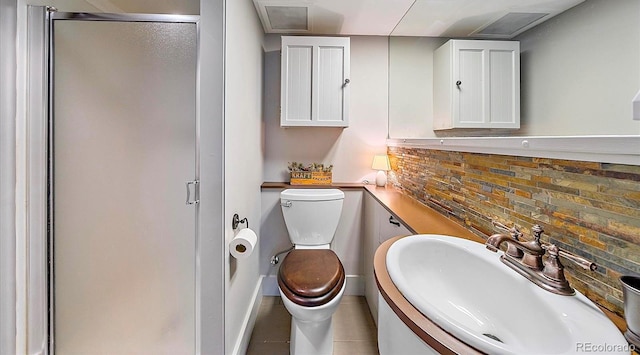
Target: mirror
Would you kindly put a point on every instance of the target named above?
(580, 71)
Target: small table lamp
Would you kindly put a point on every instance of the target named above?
(381, 163)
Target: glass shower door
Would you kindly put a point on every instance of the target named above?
(124, 144)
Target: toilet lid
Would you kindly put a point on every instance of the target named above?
(311, 277)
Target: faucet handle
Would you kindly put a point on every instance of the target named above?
(515, 232)
(578, 260)
(537, 232)
(499, 226)
(553, 268)
(554, 272)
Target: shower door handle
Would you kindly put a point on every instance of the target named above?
(195, 194)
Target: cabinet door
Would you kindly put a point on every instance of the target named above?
(504, 86)
(389, 226)
(370, 228)
(297, 62)
(470, 92)
(332, 91)
(377, 229)
(315, 81)
(486, 93)
(477, 85)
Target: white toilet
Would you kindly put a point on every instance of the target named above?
(311, 278)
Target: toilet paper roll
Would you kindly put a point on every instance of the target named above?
(242, 245)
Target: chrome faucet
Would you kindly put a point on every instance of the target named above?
(528, 261)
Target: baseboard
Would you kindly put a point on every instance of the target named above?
(249, 322)
(270, 286)
(354, 287)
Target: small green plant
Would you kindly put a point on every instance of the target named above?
(314, 167)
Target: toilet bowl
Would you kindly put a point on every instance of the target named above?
(311, 283)
(311, 278)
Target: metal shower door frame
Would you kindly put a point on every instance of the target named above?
(50, 16)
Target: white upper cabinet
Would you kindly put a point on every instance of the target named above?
(315, 81)
(477, 85)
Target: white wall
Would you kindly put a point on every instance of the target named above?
(243, 163)
(411, 86)
(350, 150)
(7, 177)
(579, 73)
(212, 222)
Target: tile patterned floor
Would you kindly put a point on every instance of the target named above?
(354, 331)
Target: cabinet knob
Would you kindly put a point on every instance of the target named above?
(458, 83)
(346, 81)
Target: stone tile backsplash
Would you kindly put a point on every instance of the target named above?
(590, 209)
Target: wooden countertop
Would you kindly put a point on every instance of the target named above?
(286, 185)
(420, 219)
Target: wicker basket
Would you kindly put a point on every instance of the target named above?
(311, 178)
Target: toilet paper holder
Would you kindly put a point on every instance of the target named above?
(236, 221)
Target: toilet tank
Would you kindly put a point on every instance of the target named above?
(311, 215)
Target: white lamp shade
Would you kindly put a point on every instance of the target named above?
(381, 162)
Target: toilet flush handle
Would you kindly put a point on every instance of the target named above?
(286, 204)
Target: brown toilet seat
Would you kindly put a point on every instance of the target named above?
(311, 277)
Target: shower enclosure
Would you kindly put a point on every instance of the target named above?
(123, 145)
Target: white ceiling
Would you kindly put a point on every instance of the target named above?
(345, 17)
(433, 18)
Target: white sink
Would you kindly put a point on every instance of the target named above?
(465, 289)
